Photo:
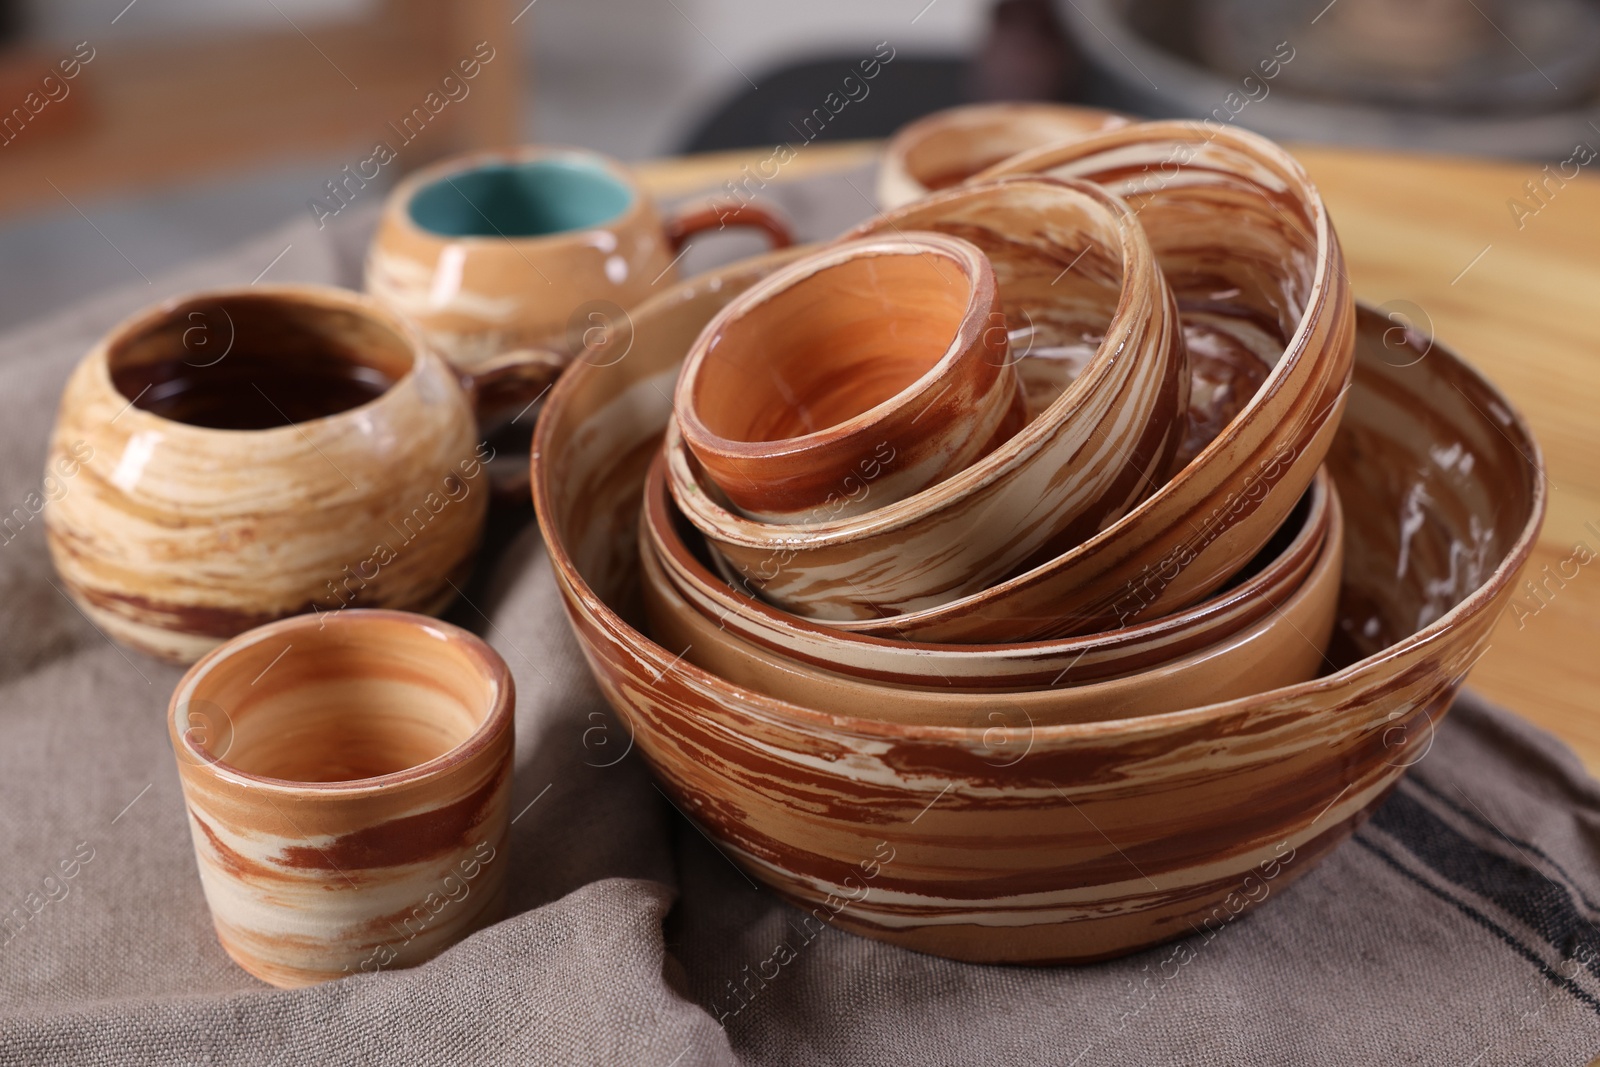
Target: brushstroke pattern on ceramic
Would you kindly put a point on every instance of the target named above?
(859, 375)
(989, 843)
(1245, 242)
(495, 252)
(179, 534)
(1278, 571)
(347, 784)
(948, 147)
(1076, 273)
(1281, 648)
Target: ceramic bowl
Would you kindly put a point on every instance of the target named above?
(1086, 840)
(218, 491)
(1077, 279)
(948, 147)
(1279, 570)
(1285, 645)
(1243, 238)
(858, 375)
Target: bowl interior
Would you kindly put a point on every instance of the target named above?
(832, 344)
(523, 198)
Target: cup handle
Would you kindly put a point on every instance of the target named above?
(722, 214)
(516, 378)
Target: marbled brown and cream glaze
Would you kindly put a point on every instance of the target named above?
(858, 375)
(1077, 278)
(174, 537)
(334, 871)
(990, 842)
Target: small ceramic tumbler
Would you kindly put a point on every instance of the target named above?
(533, 250)
(250, 454)
(347, 782)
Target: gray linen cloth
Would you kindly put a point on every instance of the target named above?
(1458, 927)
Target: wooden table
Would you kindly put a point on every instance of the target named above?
(1521, 302)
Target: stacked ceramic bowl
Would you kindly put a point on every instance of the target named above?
(1046, 568)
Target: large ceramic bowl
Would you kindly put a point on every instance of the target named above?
(1073, 264)
(1278, 572)
(1078, 841)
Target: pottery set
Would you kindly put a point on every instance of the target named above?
(1127, 691)
(1022, 575)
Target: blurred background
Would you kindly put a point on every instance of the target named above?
(137, 135)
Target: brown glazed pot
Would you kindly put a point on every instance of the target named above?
(347, 782)
(1284, 646)
(175, 535)
(528, 250)
(1278, 571)
(948, 147)
(1077, 279)
(858, 375)
(990, 844)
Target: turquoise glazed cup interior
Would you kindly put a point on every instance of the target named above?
(535, 198)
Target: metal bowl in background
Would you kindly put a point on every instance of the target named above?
(1482, 77)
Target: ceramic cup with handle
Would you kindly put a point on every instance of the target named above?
(501, 252)
(245, 455)
(347, 783)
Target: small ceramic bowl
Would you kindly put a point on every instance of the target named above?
(1282, 647)
(858, 375)
(1243, 238)
(948, 147)
(256, 453)
(1077, 280)
(990, 843)
(1278, 572)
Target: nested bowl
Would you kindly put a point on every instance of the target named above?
(1282, 647)
(1219, 642)
(1078, 282)
(950, 146)
(859, 374)
(1246, 245)
(1077, 841)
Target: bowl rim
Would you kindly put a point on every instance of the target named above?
(1137, 258)
(578, 595)
(965, 343)
(498, 721)
(1319, 493)
(323, 297)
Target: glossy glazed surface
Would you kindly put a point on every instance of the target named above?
(1103, 362)
(989, 843)
(1245, 243)
(347, 784)
(479, 289)
(176, 537)
(953, 667)
(1283, 646)
(861, 374)
(948, 147)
